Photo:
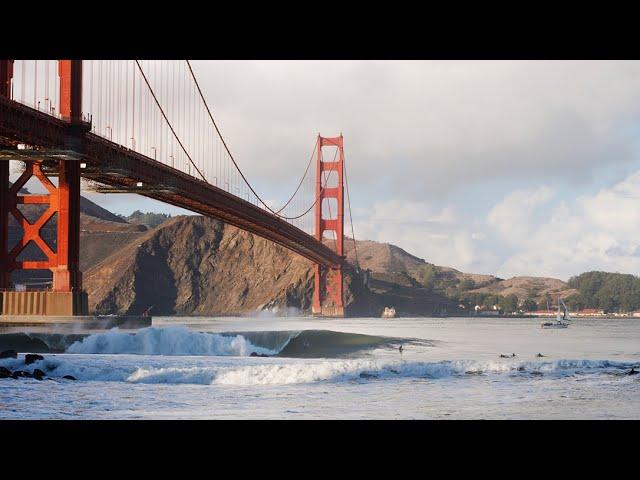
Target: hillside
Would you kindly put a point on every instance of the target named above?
(393, 265)
(536, 288)
(384, 257)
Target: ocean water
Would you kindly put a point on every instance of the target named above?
(450, 368)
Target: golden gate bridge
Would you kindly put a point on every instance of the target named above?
(142, 127)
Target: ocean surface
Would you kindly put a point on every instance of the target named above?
(449, 368)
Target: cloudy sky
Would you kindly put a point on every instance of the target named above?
(501, 167)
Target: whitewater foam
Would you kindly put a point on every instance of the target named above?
(302, 372)
(273, 371)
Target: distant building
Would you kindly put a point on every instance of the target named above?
(543, 313)
(588, 312)
(482, 311)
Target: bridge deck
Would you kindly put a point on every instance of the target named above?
(121, 168)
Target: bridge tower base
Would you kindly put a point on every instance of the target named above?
(66, 296)
(328, 294)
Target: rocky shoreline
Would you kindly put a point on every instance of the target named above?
(29, 359)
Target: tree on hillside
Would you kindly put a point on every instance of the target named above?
(529, 305)
(466, 284)
(611, 292)
(545, 302)
(509, 303)
(427, 275)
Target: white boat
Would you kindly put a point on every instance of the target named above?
(389, 312)
(562, 319)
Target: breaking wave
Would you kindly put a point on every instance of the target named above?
(166, 341)
(179, 340)
(326, 343)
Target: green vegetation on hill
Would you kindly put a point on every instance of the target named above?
(446, 283)
(150, 219)
(443, 282)
(611, 292)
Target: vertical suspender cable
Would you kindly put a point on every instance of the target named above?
(346, 181)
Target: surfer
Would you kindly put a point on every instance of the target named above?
(400, 349)
(633, 371)
(539, 355)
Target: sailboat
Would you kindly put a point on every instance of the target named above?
(562, 319)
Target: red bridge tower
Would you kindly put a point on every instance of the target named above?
(328, 292)
(66, 296)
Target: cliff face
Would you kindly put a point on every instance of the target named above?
(197, 265)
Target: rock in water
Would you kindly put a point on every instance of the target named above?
(70, 377)
(9, 354)
(5, 372)
(29, 358)
(21, 374)
(38, 374)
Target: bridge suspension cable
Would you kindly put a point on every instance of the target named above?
(168, 122)
(275, 212)
(353, 235)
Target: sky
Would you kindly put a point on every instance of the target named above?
(497, 167)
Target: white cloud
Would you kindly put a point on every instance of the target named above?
(526, 233)
(513, 216)
(437, 235)
(428, 127)
(595, 232)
